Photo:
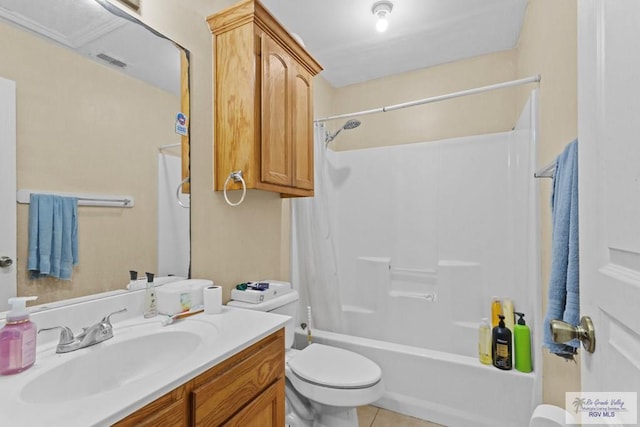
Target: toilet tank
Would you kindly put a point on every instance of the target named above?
(286, 304)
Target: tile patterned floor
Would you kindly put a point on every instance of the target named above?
(371, 416)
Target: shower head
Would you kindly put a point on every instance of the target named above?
(350, 124)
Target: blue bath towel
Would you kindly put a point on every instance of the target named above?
(53, 236)
(564, 295)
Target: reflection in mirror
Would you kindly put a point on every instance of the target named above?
(97, 99)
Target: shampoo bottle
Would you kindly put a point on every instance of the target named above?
(522, 344)
(496, 310)
(150, 303)
(507, 312)
(17, 338)
(501, 346)
(484, 342)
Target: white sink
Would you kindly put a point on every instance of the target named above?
(104, 383)
(134, 353)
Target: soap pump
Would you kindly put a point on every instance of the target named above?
(501, 346)
(17, 338)
(522, 343)
(150, 303)
(133, 278)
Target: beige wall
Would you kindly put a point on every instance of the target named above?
(323, 97)
(75, 134)
(477, 114)
(548, 46)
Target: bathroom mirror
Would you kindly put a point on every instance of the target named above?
(98, 97)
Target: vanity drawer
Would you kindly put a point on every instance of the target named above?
(239, 382)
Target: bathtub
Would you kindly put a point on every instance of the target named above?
(445, 388)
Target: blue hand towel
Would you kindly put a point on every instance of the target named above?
(53, 236)
(564, 294)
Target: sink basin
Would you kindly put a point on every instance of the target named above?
(130, 356)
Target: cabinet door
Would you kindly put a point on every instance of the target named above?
(226, 389)
(302, 129)
(275, 98)
(267, 410)
(170, 410)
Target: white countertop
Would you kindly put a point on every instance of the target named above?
(232, 331)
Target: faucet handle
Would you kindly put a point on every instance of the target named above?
(107, 318)
(66, 336)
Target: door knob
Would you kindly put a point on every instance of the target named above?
(5, 262)
(563, 332)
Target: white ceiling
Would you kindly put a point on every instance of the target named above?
(341, 34)
(91, 30)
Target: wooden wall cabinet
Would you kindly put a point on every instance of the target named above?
(263, 102)
(245, 390)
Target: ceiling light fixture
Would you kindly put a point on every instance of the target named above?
(381, 9)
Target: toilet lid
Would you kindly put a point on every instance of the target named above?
(334, 367)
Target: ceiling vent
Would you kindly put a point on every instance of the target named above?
(111, 60)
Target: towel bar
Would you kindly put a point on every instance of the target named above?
(23, 197)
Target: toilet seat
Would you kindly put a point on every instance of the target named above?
(334, 367)
(334, 376)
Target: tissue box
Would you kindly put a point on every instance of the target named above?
(176, 297)
(254, 297)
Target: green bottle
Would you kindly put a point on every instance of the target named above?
(522, 343)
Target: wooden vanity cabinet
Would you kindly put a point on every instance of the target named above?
(245, 390)
(263, 102)
(246, 387)
(170, 410)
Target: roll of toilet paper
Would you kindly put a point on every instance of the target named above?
(212, 299)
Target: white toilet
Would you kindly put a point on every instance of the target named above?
(324, 384)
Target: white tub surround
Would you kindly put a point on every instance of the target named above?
(400, 252)
(217, 338)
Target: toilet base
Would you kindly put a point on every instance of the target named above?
(332, 416)
(300, 412)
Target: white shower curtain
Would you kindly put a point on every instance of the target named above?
(314, 267)
(173, 220)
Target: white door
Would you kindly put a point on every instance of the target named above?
(7, 191)
(609, 176)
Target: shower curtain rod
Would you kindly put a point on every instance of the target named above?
(532, 79)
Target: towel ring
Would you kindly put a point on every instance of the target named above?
(236, 176)
(184, 181)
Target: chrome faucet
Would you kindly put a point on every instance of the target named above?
(101, 331)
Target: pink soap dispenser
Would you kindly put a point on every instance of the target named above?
(17, 338)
